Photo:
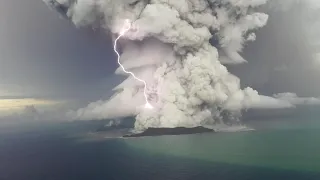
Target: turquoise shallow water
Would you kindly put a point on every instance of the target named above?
(296, 150)
(279, 149)
(280, 144)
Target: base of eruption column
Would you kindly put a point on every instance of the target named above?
(171, 131)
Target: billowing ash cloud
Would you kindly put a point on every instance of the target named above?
(179, 47)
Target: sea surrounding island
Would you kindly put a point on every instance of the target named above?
(279, 148)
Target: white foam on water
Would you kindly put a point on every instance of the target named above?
(233, 128)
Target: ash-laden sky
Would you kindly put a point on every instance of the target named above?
(47, 61)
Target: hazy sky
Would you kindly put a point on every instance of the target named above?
(282, 58)
(44, 57)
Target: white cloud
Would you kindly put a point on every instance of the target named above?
(294, 99)
(266, 102)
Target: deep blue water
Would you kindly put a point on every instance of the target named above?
(62, 152)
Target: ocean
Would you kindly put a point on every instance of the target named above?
(280, 148)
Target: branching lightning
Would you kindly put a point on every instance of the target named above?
(126, 27)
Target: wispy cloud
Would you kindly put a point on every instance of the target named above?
(296, 100)
(16, 105)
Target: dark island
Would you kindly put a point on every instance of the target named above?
(170, 131)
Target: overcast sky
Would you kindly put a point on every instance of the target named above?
(282, 57)
(43, 56)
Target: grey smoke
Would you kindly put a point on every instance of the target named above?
(169, 47)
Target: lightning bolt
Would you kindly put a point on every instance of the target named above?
(126, 27)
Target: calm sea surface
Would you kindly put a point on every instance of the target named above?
(279, 149)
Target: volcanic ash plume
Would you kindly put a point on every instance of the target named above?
(178, 47)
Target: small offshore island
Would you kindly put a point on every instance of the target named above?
(126, 124)
(123, 128)
(171, 131)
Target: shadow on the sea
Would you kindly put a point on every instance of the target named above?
(57, 158)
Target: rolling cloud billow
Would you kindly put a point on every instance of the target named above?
(170, 47)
